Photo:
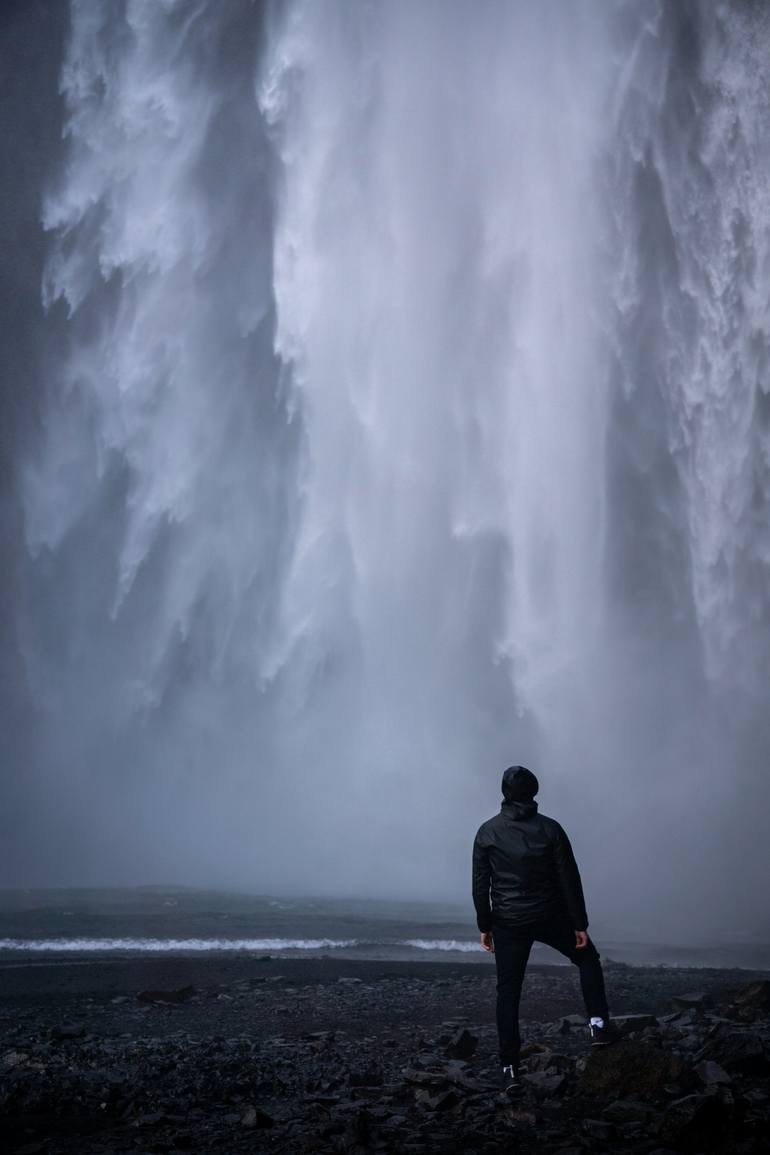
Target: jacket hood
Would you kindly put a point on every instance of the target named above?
(519, 784)
(518, 810)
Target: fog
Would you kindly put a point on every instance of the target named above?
(385, 390)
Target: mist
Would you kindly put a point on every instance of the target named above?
(389, 405)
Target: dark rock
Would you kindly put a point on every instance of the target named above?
(522, 1115)
(545, 1084)
(696, 1000)
(711, 1073)
(737, 1049)
(181, 995)
(442, 1101)
(629, 1024)
(256, 1117)
(597, 1128)
(627, 1068)
(462, 1045)
(428, 1078)
(624, 1110)
(755, 996)
(68, 1031)
(551, 1062)
(696, 1123)
(570, 1021)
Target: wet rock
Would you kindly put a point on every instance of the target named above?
(630, 1024)
(695, 1000)
(754, 996)
(627, 1111)
(14, 1059)
(522, 1115)
(181, 995)
(597, 1128)
(544, 1083)
(442, 1101)
(696, 1123)
(462, 1045)
(627, 1068)
(349, 980)
(426, 1078)
(571, 1022)
(711, 1073)
(737, 1049)
(256, 1117)
(68, 1031)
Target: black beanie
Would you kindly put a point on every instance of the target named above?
(519, 784)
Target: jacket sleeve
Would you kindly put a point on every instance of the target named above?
(482, 877)
(569, 881)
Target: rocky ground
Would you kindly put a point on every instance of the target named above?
(323, 1055)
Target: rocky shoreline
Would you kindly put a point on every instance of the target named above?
(341, 1056)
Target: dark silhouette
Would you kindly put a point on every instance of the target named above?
(526, 888)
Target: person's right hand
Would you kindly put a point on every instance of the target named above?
(487, 941)
(581, 939)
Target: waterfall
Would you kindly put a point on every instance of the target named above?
(406, 416)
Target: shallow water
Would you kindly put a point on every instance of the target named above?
(175, 920)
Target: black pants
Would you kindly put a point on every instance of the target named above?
(512, 947)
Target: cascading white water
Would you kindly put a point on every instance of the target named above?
(411, 422)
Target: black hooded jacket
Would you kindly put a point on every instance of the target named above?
(525, 859)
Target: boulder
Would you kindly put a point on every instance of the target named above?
(68, 1031)
(737, 1049)
(441, 1101)
(629, 1068)
(693, 1000)
(462, 1045)
(545, 1084)
(710, 1073)
(754, 996)
(696, 1123)
(630, 1024)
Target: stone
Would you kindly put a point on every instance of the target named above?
(569, 1021)
(627, 1111)
(442, 1101)
(256, 1117)
(597, 1128)
(710, 1073)
(696, 1123)
(627, 1068)
(68, 1031)
(629, 1024)
(180, 995)
(14, 1059)
(755, 995)
(737, 1049)
(692, 1000)
(462, 1045)
(426, 1078)
(544, 1083)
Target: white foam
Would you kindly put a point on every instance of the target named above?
(442, 944)
(170, 944)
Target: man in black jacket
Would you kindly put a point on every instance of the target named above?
(526, 861)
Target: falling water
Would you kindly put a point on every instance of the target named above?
(407, 416)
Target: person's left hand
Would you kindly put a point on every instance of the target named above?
(487, 941)
(581, 939)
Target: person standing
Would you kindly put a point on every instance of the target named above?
(527, 888)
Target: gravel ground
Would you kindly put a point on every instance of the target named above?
(248, 1053)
